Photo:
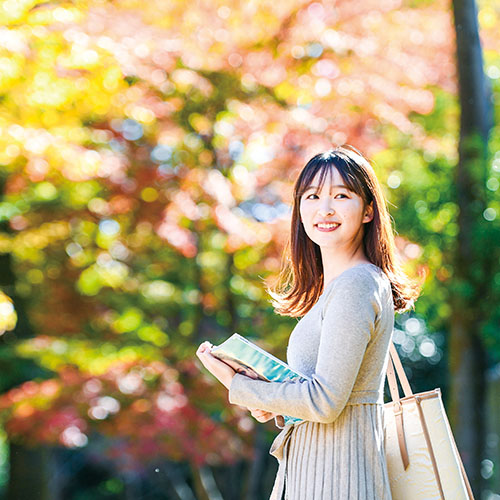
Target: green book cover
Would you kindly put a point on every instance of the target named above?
(249, 359)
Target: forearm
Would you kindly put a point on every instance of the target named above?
(311, 400)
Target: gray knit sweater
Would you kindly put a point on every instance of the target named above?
(341, 343)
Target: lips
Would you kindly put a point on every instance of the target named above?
(327, 226)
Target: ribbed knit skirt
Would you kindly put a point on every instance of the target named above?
(343, 460)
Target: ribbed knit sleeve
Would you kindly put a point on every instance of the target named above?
(350, 309)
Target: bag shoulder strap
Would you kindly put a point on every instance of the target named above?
(400, 372)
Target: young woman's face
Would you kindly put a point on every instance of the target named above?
(333, 217)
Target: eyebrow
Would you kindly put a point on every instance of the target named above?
(336, 186)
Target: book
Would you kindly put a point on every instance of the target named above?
(249, 359)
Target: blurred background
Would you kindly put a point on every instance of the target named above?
(147, 155)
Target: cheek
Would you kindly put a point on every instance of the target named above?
(353, 210)
(305, 216)
(302, 212)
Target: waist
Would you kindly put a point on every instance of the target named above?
(356, 397)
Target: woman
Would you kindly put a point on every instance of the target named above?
(342, 279)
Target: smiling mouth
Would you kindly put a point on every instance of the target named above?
(327, 226)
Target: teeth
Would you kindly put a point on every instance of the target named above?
(327, 226)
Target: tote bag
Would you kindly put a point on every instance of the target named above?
(422, 457)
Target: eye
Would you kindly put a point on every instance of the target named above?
(340, 194)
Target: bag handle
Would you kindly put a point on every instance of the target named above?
(400, 372)
(397, 407)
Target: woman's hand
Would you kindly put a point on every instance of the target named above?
(220, 370)
(261, 415)
(224, 373)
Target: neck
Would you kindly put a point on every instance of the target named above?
(334, 265)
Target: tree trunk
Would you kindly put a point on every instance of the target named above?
(29, 474)
(257, 466)
(29, 467)
(199, 483)
(493, 428)
(467, 354)
(177, 481)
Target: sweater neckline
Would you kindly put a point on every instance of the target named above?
(349, 268)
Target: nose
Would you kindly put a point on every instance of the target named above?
(326, 207)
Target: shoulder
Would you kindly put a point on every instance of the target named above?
(364, 277)
(360, 286)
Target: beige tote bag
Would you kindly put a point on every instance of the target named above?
(422, 458)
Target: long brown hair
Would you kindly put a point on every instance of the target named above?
(300, 282)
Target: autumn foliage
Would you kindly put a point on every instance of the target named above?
(147, 152)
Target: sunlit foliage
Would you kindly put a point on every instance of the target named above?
(147, 152)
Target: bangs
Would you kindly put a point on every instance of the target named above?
(324, 164)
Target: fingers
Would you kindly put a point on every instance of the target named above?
(261, 415)
(204, 355)
(204, 348)
(262, 412)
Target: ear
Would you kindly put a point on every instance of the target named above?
(368, 213)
